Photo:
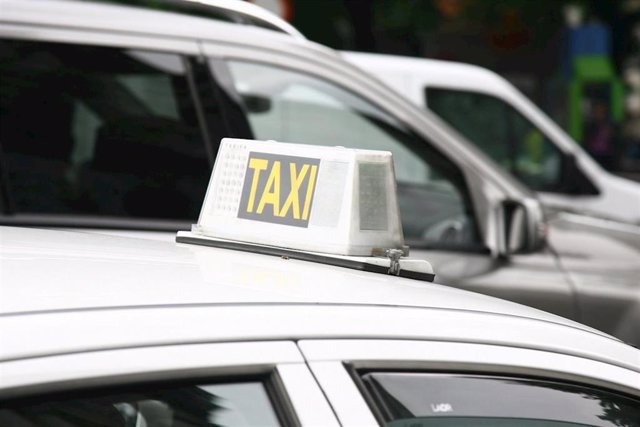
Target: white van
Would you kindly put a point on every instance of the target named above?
(499, 119)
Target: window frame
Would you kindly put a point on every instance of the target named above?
(222, 72)
(336, 363)
(189, 54)
(278, 365)
(6, 202)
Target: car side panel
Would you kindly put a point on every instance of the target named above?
(605, 271)
(534, 279)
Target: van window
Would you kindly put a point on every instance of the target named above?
(99, 131)
(290, 106)
(501, 132)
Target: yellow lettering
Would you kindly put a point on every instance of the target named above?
(310, 185)
(269, 196)
(258, 165)
(292, 199)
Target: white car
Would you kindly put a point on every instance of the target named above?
(490, 112)
(113, 331)
(111, 117)
(259, 316)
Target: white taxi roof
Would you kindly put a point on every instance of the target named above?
(73, 292)
(46, 270)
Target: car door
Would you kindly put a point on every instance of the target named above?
(401, 383)
(242, 383)
(442, 218)
(602, 259)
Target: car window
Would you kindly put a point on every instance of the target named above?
(99, 131)
(501, 132)
(290, 106)
(225, 404)
(441, 400)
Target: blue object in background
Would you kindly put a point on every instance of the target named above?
(586, 40)
(590, 39)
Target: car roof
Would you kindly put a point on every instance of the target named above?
(78, 270)
(125, 19)
(436, 72)
(74, 291)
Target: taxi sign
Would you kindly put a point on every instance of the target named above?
(323, 199)
(278, 189)
(325, 204)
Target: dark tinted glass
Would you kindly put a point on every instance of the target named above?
(501, 132)
(99, 131)
(237, 404)
(421, 400)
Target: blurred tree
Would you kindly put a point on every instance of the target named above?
(361, 15)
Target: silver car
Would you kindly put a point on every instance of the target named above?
(111, 116)
(112, 331)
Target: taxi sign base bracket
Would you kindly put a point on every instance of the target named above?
(355, 263)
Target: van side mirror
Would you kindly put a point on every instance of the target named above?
(256, 103)
(523, 229)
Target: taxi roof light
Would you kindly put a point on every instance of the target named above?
(279, 198)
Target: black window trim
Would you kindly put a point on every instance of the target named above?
(197, 105)
(233, 111)
(94, 221)
(7, 206)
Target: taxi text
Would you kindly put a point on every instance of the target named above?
(278, 189)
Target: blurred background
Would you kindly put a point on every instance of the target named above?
(577, 60)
